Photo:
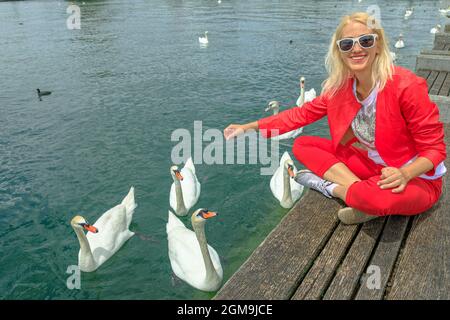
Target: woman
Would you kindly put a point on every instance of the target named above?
(384, 107)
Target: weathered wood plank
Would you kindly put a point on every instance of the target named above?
(319, 276)
(445, 89)
(423, 73)
(384, 257)
(348, 275)
(438, 83)
(433, 62)
(277, 266)
(424, 265)
(444, 107)
(431, 78)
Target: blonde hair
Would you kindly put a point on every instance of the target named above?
(338, 72)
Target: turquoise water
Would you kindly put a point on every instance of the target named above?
(121, 85)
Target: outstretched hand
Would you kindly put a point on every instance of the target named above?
(233, 130)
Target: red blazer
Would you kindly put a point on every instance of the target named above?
(407, 121)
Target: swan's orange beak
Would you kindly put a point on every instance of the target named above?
(291, 171)
(209, 214)
(178, 175)
(90, 228)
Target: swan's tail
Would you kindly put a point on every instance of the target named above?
(129, 202)
(173, 222)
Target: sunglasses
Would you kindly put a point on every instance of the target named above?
(366, 41)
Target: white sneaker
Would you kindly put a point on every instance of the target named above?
(310, 180)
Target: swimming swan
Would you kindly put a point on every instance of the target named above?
(282, 184)
(191, 258)
(400, 44)
(436, 29)
(305, 96)
(106, 235)
(203, 40)
(275, 106)
(185, 189)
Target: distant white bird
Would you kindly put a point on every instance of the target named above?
(445, 12)
(436, 29)
(408, 12)
(275, 107)
(204, 40)
(283, 185)
(393, 56)
(185, 189)
(106, 236)
(400, 44)
(192, 259)
(219, 1)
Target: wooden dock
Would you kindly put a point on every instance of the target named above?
(311, 255)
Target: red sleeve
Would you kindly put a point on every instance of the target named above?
(293, 118)
(422, 119)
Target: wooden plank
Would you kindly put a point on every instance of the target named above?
(443, 104)
(318, 278)
(423, 73)
(347, 278)
(431, 78)
(438, 83)
(278, 265)
(445, 89)
(384, 258)
(433, 62)
(423, 268)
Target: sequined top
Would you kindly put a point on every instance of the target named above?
(363, 124)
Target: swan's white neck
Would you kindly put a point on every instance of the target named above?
(286, 201)
(302, 95)
(86, 259)
(212, 277)
(181, 208)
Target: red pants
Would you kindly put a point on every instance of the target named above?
(317, 154)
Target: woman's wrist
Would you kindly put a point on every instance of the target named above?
(251, 126)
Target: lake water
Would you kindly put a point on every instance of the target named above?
(121, 85)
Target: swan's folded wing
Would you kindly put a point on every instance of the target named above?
(190, 187)
(185, 256)
(276, 183)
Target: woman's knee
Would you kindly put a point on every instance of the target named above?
(367, 196)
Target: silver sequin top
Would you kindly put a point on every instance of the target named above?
(363, 124)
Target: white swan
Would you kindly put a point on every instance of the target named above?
(185, 189)
(203, 40)
(393, 56)
(436, 29)
(275, 106)
(305, 96)
(408, 12)
(445, 12)
(282, 184)
(191, 258)
(400, 44)
(106, 235)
